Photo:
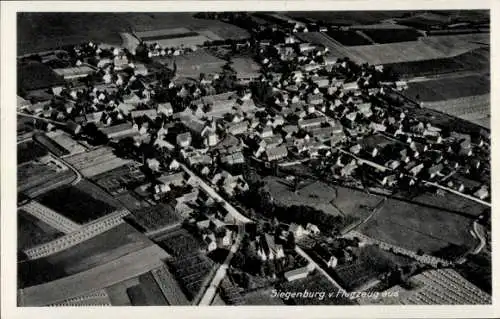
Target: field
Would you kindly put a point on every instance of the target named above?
(120, 269)
(355, 202)
(29, 151)
(450, 202)
(50, 144)
(475, 109)
(313, 194)
(169, 286)
(392, 35)
(315, 282)
(476, 60)
(191, 271)
(35, 75)
(44, 31)
(179, 243)
(96, 162)
(132, 202)
(32, 232)
(156, 217)
(335, 48)
(116, 181)
(349, 38)
(348, 17)
(448, 88)
(415, 227)
(34, 179)
(146, 293)
(371, 263)
(79, 204)
(101, 249)
(427, 48)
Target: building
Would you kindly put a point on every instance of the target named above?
(150, 113)
(184, 139)
(317, 121)
(299, 273)
(267, 249)
(246, 70)
(165, 108)
(297, 230)
(119, 131)
(277, 153)
(176, 179)
(76, 72)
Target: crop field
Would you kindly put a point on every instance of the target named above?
(475, 109)
(34, 179)
(262, 297)
(348, 17)
(450, 201)
(371, 263)
(313, 194)
(117, 180)
(315, 282)
(191, 271)
(477, 60)
(101, 249)
(448, 88)
(29, 151)
(426, 48)
(132, 202)
(118, 292)
(355, 202)
(392, 35)
(146, 293)
(32, 232)
(44, 31)
(120, 269)
(349, 38)
(415, 227)
(96, 161)
(35, 75)
(79, 205)
(169, 286)
(335, 48)
(179, 243)
(156, 217)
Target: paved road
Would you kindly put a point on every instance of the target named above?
(480, 235)
(240, 218)
(306, 256)
(209, 295)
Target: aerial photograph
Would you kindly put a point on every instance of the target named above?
(253, 158)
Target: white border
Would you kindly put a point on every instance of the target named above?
(8, 157)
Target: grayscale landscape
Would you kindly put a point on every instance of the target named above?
(254, 158)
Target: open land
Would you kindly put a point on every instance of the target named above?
(449, 88)
(32, 232)
(43, 31)
(415, 227)
(101, 249)
(79, 205)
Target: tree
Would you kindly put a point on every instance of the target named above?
(291, 240)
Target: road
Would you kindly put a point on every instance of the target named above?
(209, 294)
(309, 259)
(41, 119)
(238, 217)
(479, 235)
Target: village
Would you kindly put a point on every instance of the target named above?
(184, 130)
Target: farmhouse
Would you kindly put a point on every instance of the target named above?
(75, 72)
(299, 273)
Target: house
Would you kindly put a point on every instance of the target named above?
(266, 131)
(150, 113)
(355, 149)
(238, 128)
(482, 192)
(176, 179)
(312, 229)
(317, 121)
(119, 131)
(277, 153)
(314, 99)
(434, 170)
(350, 86)
(297, 230)
(210, 241)
(298, 273)
(267, 249)
(165, 108)
(184, 139)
